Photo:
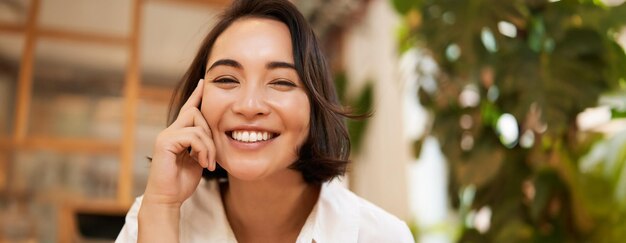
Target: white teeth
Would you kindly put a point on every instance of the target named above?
(245, 137)
(251, 136)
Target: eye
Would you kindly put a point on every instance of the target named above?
(285, 83)
(226, 82)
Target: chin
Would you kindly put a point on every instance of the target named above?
(247, 170)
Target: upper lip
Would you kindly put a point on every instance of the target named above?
(254, 128)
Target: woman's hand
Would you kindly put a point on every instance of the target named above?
(175, 171)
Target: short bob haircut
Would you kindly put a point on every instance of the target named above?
(324, 155)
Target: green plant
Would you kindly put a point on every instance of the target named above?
(534, 65)
(360, 104)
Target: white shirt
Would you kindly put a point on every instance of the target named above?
(338, 216)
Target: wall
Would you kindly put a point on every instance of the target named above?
(379, 172)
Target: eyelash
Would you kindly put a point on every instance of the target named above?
(228, 80)
(285, 83)
(225, 80)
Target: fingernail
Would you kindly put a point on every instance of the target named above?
(200, 81)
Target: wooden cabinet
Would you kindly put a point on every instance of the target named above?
(82, 99)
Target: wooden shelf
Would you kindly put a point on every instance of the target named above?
(210, 3)
(134, 91)
(68, 35)
(101, 206)
(154, 93)
(86, 145)
(5, 143)
(82, 145)
(69, 209)
(82, 37)
(12, 28)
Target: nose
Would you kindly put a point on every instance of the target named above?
(251, 103)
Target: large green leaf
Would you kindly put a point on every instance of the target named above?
(404, 6)
(561, 60)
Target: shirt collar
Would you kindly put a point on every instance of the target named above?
(206, 218)
(334, 217)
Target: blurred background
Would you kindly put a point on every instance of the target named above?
(494, 121)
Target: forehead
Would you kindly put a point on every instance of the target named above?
(251, 39)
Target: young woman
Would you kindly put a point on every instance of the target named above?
(258, 109)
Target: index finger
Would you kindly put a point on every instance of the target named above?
(195, 98)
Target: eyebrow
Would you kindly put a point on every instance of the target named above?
(274, 65)
(235, 64)
(225, 62)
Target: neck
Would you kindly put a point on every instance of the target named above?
(271, 210)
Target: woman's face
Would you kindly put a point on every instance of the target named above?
(254, 102)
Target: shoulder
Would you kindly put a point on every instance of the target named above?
(374, 223)
(130, 229)
(377, 225)
(204, 207)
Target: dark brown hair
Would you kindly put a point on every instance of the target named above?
(324, 155)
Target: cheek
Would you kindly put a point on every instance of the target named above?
(299, 114)
(211, 109)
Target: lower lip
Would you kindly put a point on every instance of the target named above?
(249, 145)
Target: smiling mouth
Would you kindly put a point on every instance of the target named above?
(251, 136)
